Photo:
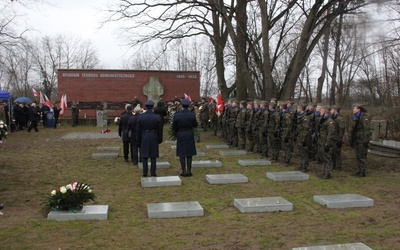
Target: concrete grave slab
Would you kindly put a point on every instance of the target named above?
(161, 181)
(199, 154)
(217, 146)
(233, 152)
(263, 204)
(206, 164)
(226, 178)
(174, 209)
(104, 155)
(344, 200)
(288, 176)
(170, 142)
(91, 212)
(108, 149)
(349, 246)
(160, 164)
(254, 162)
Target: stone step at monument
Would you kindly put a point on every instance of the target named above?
(160, 164)
(226, 178)
(170, 142)
(174, 209)
(109, 149)
(349, 246)
(206, 164)
(220, 146)
(288, 176)
(254, 162)
(232, 152)
(344, 200)
(90, 212)
(161, 181)
(263, 204)
(104, 155)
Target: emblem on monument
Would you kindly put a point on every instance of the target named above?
(153, 89)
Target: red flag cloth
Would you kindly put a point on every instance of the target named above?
(63, 104)
(48, 102)
(187, 97)
(35, 93)
(220, 104)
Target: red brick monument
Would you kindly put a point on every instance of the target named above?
(95, 88)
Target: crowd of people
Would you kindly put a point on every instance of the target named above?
(275, 130)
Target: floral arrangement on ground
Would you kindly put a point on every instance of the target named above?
(70, 197)
(3, 130)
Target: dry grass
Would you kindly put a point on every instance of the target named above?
(31, 165)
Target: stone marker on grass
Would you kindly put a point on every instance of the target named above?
(288, 176)
(344, 200)
(90, 212)
(217, 146)
(109, 149)
(226, 178)
(104, 155)
(199, 154)
(206, 164)
(173, 147)
(350, 246)
(160, 164)
(263, 204)
(254, 162)
(232, 152)
(174, 209)
(161, 181)
(170, 142)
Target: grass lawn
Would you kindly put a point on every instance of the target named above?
(33, 164)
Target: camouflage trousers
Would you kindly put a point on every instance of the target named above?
(337, 157)
(361, 156)
(250, 137)
(326, 158)
(233, 134)
(242, 137)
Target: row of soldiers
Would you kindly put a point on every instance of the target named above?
(269, 128)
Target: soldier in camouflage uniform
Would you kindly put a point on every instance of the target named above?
(285, 132)
(255, 127)
(241, 125)
(303, 130)
(233, 132)
(360, 137)
(340, 127)
(269, 129)
(224, 121)
(263, 137)
(213, 116)
(326, 141)
(249, 131)
(204, 114)
(317, 120)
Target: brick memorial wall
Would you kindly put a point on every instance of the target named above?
(93, 88)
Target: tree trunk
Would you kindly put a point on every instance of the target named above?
(321, 78)
(336, 62)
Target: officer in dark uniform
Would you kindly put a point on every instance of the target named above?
(183, 124)
(132, 126)
(149, 135)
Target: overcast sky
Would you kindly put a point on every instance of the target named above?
(80, 18)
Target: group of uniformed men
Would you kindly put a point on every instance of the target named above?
(268, 128)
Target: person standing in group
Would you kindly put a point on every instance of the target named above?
(45, 111)
(149, 135)
(241, 124)
(161, 110)
(132, 126)
(360, 137)
(340, 127)
(303, 130)
(183, 124)
(233, 132)
(326, 141)
(123, 132)
(75, 113)
(56, 112)
(34, 117)
(204, 114)
(285, 132)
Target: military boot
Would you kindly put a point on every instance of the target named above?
(325, 176)
(189, 173)
(184, 173)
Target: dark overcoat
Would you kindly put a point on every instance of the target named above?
(183, 124)
(123, 126)
(132, 127)
(149, 134)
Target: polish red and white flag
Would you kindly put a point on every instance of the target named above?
(63, 104)
(187, 97)
(35, 93)
(220, 104)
